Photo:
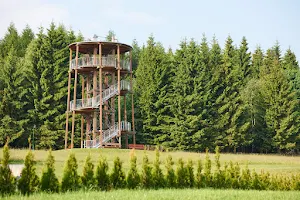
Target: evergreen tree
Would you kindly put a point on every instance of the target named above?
(101, 176)
(117, 177)
(146, 177)
(10, 41)
(190, 174)
(170, 174)
(29, 181)
(7, 180)
(133, 177)
(158, 177)
(257, 62)
(49, 181)
(199, 176)
(70, 179)
(25, 39)
(181, 174)
(207, 170)
(87, 178)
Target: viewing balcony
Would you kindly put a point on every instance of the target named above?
(94, 61)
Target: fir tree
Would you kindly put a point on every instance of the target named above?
(87, 178)
(29, 181)
(70, 179)
(7, 180)
(49, 181)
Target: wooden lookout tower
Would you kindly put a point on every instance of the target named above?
(104, 70)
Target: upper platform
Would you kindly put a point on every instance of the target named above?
(87, 47)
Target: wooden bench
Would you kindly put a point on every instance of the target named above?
(136, 146)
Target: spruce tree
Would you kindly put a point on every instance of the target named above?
(29, 181)
(102, 176)
(7, 180)
(70, 179)
(133, 177)
(49, 181)
(87, 178)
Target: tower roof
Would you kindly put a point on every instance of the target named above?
(87, 47)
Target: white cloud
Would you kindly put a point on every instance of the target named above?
(32, 12)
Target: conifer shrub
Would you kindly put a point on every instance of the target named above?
(207, 170)
(7, 180)
(199, 175)
(29, 181)
(190, 174)
(102, 176)
(87, 178)
(49, 181)
(117, 177)
(296, 182)
(170, 173)
(158, 177)
(146, 178)
(245, 180)
(218, 178)
(71, 179)
(181, 174)
(133, 177)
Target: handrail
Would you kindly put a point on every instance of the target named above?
(108, 134)
(94, 61)
(94, 102)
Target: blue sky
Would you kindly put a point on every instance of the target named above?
(262, 22)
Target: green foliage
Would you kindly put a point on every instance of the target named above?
(29, 181)
(117, 177)
(87, 178)
(181, 174)
(102, 176)
(49, 181)
(207, 170)
(146, 177)
(133, 177)
(70, 179)
(7, 180)
(199, 175)
(157, 176)
(190, 174)
(170, 176)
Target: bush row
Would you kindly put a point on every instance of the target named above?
(186, 175)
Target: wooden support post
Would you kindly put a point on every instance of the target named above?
(68, 108)
(125, 119)
(119, 95)
(100, 90)
(132, 100)
(94, 114)
(74, 98)
(82, 129)
(88, 127)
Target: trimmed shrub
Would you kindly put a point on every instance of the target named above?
(170, 174)
(190, 174)
(133, 177)
(117, 177)
(146, 173)
(70, 180)
(7, 180)
(102, 177)
(49, 181)
(181, 174)
(87, 178)
(157, 176)
(29, 181)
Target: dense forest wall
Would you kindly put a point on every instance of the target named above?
(195, 97)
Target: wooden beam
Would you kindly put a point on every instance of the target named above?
(82, 129)
(132, 99)
(94, 95)
(119, 94)
(74, 98)
(100, 90)
(68, 107)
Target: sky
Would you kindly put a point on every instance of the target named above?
(262, 22)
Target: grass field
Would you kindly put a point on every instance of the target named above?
(272, 163)
(186, 194)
